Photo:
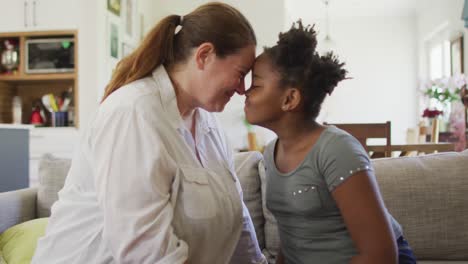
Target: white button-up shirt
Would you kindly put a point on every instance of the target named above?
(137, 193)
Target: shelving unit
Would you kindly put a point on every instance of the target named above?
(30, 87)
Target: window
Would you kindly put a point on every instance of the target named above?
(439, 60)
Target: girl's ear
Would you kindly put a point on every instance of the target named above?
(292, 99)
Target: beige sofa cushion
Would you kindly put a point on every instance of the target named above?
(52, 174)
(271, 227)
(428, 195)
(246, 164)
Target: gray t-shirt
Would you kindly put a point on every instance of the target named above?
(310, 224)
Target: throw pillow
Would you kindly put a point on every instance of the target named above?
(246, 164)
(52, 174)
(2, 260)
(18, 243)
(271, 227)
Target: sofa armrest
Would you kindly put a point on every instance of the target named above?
(17, 207)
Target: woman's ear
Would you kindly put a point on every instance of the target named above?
(204, 54)
(292, 99)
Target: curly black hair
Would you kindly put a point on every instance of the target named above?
(301, 66)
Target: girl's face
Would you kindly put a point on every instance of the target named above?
(264, 98)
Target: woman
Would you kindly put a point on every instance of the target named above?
(153, 180)
(320, 182)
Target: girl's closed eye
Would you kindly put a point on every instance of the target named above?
(252, 87)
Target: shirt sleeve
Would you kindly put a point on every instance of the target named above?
(340, 158)
(133, 184)
(247, 250)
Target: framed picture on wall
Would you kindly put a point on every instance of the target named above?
(130, 21)
(114, 6)
(456, 56)
(114, 40)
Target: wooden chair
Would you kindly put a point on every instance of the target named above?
(364, 131)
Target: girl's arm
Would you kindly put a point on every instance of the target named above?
(364, 214)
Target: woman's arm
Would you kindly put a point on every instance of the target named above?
(364, 214)
(133, 183)
(247, 250)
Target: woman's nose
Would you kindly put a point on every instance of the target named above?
(240, 89)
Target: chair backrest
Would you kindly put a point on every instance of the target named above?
(364, 131)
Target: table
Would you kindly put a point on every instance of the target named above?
(379, 150)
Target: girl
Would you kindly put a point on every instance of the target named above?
(320, 181)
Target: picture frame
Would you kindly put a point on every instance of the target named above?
(114, 40)
(130, 21)
(456, 56)
(114, 6)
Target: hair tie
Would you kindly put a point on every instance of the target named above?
(179, 26)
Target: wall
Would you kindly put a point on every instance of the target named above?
(89, 37)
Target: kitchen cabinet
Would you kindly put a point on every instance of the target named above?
(28, 15)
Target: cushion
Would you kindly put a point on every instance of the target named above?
(2, 260)
(246, 164)
(271, 228)
(427, 195)
(18, 243)
(52, 174)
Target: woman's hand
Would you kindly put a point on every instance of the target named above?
(364, 214)
(279, 257)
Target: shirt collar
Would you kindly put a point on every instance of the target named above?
(205, 120)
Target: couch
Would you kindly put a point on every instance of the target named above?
(428, 195)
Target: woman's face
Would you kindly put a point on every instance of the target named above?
(224, 77)
(264, 98)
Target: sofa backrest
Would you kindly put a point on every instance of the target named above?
(52, 174)
(428, 196)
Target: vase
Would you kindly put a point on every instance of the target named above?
(435, 130)
(252, 141)
(9, 57)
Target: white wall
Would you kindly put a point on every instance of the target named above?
(89, 37)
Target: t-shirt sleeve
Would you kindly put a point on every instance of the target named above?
(342, 157)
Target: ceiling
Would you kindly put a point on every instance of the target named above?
(351, 8)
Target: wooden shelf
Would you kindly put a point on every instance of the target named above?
(38, 33)
(31, 87)
(38, 77)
